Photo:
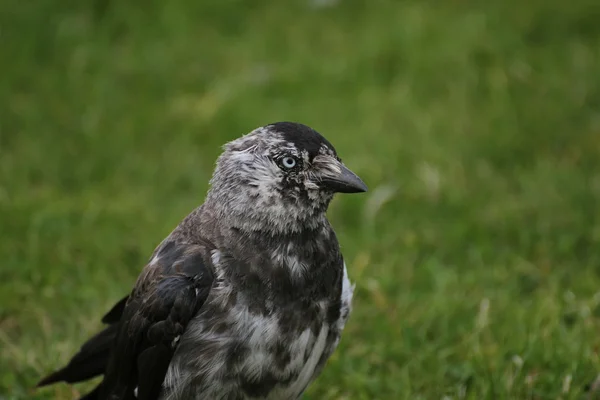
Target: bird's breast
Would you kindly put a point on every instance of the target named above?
(236, 348)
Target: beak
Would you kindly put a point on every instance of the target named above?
(345, 181)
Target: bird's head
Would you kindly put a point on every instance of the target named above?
(279, 178)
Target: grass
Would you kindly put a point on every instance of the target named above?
(476, 125)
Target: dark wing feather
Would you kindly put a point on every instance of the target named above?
(153, 364)
(114, 315)
(135, 350)
(165, 299)
(89, 362)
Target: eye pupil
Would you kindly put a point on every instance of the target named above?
(289, 162)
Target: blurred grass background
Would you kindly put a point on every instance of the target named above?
(476, 125)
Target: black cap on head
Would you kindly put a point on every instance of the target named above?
(302, 136)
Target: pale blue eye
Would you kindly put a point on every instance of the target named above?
(288, 162)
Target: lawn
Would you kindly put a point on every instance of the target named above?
(476, 125)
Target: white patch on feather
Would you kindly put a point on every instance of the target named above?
(297, 350)
(155, 259)
(259, 331)
(306, 374)
(347, 289)
(173, 378)
(327, 165)
(215, 257)
(347, 294)
(286, 257)
(297, 267)
(175, 341)
(255, 331)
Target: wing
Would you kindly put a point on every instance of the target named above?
(89, 362)
(91, 359)
(167, 295)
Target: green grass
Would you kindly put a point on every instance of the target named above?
(477, 127)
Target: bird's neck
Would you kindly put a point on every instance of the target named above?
(297, 260)
(272, 217)
(305, 260)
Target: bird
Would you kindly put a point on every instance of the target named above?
(247, 297)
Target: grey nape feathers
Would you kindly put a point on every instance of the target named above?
(248, 296)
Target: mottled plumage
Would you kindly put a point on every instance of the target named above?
(248, 296)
